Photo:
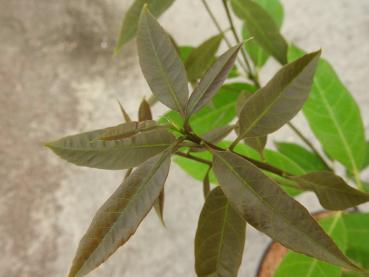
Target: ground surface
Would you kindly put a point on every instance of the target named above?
(57, 77)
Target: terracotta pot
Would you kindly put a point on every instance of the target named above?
(275, 252)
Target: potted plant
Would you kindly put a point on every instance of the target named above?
(243, 182)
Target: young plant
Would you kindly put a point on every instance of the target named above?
(250, 184)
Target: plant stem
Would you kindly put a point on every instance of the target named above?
(194, 158)
(308, 143)
(219, 28)
(261, 165)
(252, 75)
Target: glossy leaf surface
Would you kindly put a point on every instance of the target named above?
(130, 22)
(220, 238)
(117, 220)
(334, 116)
(301, 156)
(280, 99)
(258, 55)
(161, 64)
(84, 150)
(270, 210)
(212, 81)
(201, 58)
(262, 27)
(333, 192)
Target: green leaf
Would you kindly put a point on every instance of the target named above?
(202, 57)
(258, 55)
(333, 192)
(334, 116)
(294, 264)
(282, 162)
(212, 81)
(220, 238)
(84, 150)
(357, 225)
(185, 52)
(309, 161)
(195, 169)
(270, 210)
(144, 111)
(130, 22)
(117, 220)
(127, 130)
(161, 64)
(262, 27)
(278, 102)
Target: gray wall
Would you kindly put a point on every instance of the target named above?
(58, 76)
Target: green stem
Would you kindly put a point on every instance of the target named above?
(236, 37)
(308, 143)
(219, 28)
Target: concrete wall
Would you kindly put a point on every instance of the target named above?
(58, 76)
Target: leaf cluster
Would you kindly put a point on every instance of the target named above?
(243, 182)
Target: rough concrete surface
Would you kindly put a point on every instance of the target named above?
(58, 77)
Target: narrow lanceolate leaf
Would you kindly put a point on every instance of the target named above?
(333, 192)
(357, 225)
(202, 57)
(125, 115)
(279, 101)
(161, 64)
(206, 184)
(294, 264)
(144, 111)
(212, 81)
(334, 116)
(130, 22)
(270, 210)
(258, 55)
(117, 220)
(309, 161)
(262, 27)
(84, 150)
(127, 130)
(220, 238)
(159, 206)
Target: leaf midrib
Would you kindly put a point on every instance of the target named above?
(171, 89)
(107, 149)
(269, 107)
(329, 232)
(126, 207)
(197, 99)
(264, 202)
(336, 125)
(256, 26)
